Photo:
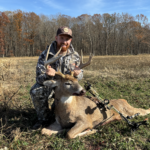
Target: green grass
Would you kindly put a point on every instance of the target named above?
(19, 116)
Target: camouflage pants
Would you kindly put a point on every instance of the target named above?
(40, 95)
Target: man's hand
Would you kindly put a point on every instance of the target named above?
(77, 71)
(50, 71)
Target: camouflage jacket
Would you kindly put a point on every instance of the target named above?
(64, 64)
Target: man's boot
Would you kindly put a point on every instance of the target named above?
(40, 124)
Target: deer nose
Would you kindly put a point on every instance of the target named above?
(82, 92)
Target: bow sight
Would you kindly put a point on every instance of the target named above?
(105, 104)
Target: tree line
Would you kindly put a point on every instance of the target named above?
(28, 34)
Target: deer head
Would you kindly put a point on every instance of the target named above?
(67, 84)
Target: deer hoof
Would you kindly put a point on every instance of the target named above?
(46, 131)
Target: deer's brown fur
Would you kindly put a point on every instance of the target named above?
(80, 113)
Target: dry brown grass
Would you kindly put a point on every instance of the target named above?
(16, 71)
(120, 66)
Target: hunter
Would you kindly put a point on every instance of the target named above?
(69, 61)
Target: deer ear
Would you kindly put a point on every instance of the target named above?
(51, 83)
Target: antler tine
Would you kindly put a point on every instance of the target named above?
(87, 63)
(60, 74)
(53, 59)
(81, 60)
(72, 73)
(58, 52)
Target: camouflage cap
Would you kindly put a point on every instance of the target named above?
(64, 31)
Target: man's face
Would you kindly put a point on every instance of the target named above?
(63, 41)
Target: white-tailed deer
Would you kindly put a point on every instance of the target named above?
(77, 113)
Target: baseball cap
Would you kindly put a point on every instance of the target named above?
(64, 31)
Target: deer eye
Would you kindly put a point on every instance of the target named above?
(67, 83)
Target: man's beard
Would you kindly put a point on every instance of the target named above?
(64, 48)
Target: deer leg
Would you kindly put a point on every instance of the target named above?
(86, 132)
(77, 129)
(126, 109)
(142, 112)
(54, 128)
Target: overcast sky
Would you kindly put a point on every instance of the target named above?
(78, 7)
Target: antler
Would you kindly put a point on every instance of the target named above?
(87, 63)
(60, 74)
(72, 73)
(53, 59)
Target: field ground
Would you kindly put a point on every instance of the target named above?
(113, 77)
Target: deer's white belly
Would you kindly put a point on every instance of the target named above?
(66, 99)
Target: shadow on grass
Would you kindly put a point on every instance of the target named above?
(12, 119)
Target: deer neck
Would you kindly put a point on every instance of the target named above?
(66, 99)
(63, 98)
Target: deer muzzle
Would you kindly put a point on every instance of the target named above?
(81, 93)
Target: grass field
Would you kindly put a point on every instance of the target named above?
(112, 77)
